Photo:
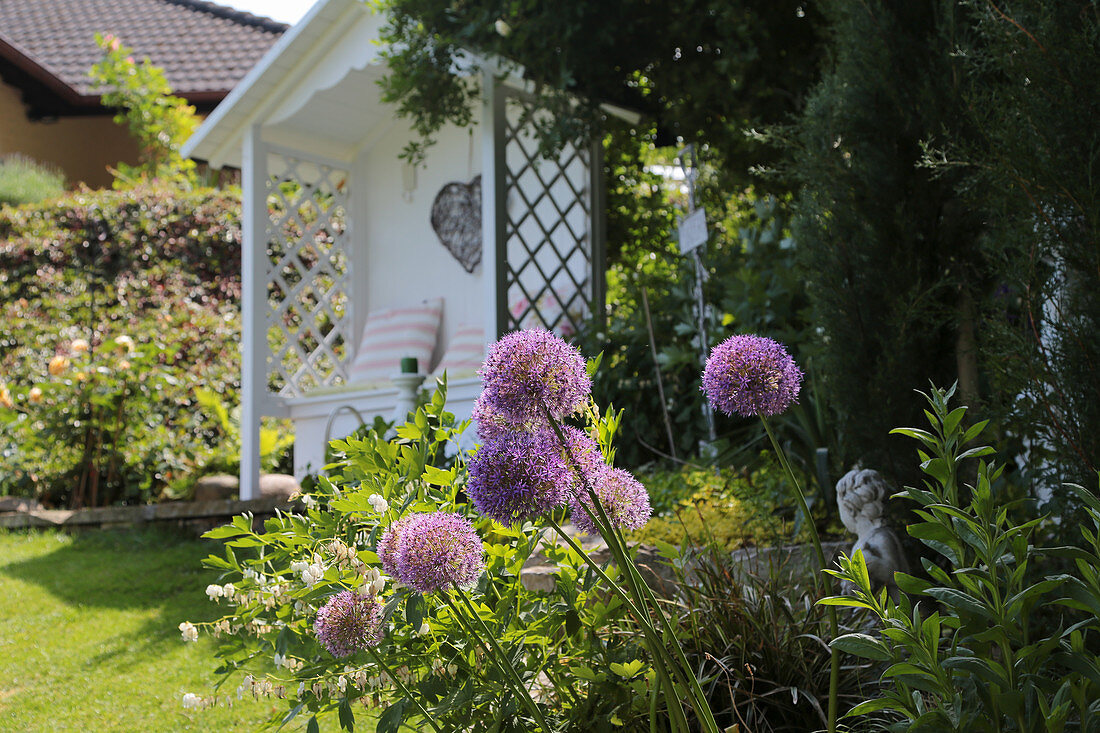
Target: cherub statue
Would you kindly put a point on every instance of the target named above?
(860, 497)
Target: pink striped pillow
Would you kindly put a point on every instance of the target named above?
(392, 334)
(465, 353)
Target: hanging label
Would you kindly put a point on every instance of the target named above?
(692, 230)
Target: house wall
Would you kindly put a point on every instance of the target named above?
(406, 262)
(82, 147)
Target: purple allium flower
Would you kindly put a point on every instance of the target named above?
(587, 454)
(752, 376)
(388, 544)
(623, 497)
(527, 370)
(516, 476)
(349, 622)
(437, 549)
(491, 421)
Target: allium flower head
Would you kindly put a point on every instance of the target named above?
(527, 370)
(348, 622)
(586, 454)
(388, 545)
(623, 497)
(491, 421)
(437, 549)
(752, 376)
(516, 476)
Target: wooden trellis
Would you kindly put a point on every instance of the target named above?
(309, 276)
(549, 227)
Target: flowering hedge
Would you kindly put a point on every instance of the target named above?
(116, 305)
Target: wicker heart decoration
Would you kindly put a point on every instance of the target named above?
(456, 219)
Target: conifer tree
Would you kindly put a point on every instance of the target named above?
(888, 248)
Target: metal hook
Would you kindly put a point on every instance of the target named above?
(336, 413)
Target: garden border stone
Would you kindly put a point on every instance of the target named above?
(199, 515)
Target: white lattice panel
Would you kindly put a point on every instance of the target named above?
(309, 276)
(548, 229)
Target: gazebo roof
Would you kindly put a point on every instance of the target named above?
(315, 89)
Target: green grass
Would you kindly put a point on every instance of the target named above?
(89, 637)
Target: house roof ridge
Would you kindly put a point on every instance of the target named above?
(239, 16)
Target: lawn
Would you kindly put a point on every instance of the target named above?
(89, 637)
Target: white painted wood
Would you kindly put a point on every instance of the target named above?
(254, 266)
(319, 103)
(322, 416)
(405, 261)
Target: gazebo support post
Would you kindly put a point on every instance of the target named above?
(254, 223)
(493, 203)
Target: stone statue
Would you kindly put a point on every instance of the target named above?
(860, 497)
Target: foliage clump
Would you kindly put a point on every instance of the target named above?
(705, 70)
(987, 638)
(159, 121)
(24, 181)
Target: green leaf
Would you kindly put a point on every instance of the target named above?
(627, 670)
(938, 469)
(1038, 589)
(221, 533)
(961, 602)
(922, 435)
(414, 610)
(844, 601)
(986, 670)
(862, 645)
(903, 668)
(572, 622)
(392, 717)
(978, 452)
(973, 431)
(911, 584)
(438, 477)
(312, 726)
(291, 715)
(873, 706)
(953, 419)
(936, 537)
(347, 717)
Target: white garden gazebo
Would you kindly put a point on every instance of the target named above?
(352, 259)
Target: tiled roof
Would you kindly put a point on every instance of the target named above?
(204, 48)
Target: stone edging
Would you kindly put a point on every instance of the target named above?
(219, 509)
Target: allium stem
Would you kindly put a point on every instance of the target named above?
(642, 595)
(641, 591)
(404, 690)
(656, 646)
(834, 655)
(495, 651)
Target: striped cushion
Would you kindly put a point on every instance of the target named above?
(392, 334)
(465, 354)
